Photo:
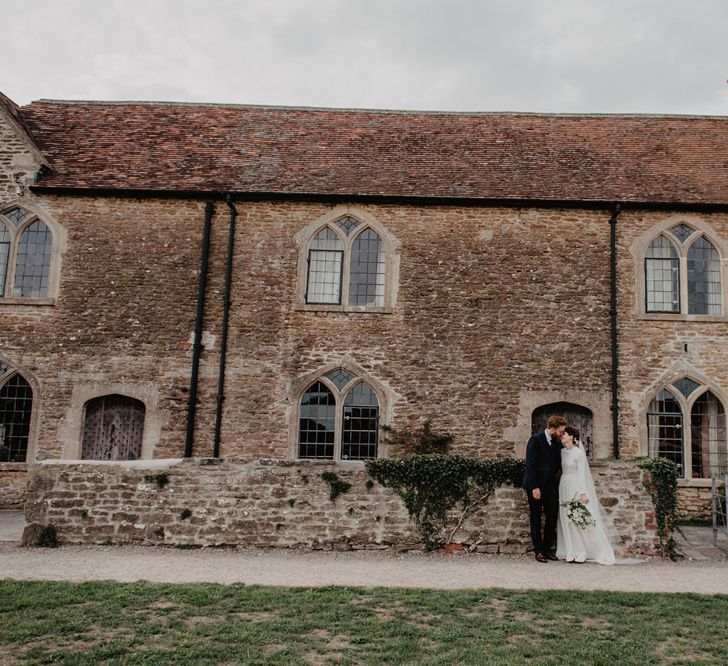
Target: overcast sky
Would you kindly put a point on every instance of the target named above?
(646, 56)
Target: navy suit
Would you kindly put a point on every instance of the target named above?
(543, 469)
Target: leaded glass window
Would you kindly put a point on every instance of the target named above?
(360, 431)
(347, 224)
(662, 277)
(317, 423)
(26, 250)
(339, 418)
(16, 406)
(681, 231)
(704, 292)
(325, 264)
(32, 269)
(367, 270)
(708, 437)
(665, 428)
(340, 378)
(686, 386)
(347, 265)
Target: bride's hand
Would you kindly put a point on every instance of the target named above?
(584, 498)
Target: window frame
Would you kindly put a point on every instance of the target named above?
(58, 241)
(339, 402)
(639, 249)
(686, 412)
(384, 396)
(390, 247)
(32, 446)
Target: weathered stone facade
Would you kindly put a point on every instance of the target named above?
(13, 480)
(497, 307)
(286, 504)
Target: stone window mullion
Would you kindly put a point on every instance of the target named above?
(345, 273)
(12, 260)
(338, 424)
(683, 282)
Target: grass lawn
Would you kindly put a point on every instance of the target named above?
(144, 623)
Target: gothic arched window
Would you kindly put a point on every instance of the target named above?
(683, 273)
(16, 408)
(686, 424)
(338, 418)
(347, 264)
(26, 250)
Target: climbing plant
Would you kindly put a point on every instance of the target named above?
(662, 485)
(336, 485)
(433, 485)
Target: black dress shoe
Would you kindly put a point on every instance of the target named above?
(552, 557)
(541, 557)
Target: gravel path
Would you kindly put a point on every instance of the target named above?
(369, 569)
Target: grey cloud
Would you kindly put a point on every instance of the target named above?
(524, 55)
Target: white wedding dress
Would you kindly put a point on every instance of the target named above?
(574, 543)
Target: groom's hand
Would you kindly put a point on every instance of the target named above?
(536, 492)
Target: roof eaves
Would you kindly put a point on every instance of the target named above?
(520, 202)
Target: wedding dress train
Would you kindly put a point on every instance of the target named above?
(575, 543)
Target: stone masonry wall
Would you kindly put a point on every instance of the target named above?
(694, 503)
(13, 478)
(478, 288)
(494, 305)
(269, 503)
(661, 349)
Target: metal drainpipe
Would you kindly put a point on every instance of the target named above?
(224, 333)
(613, 317)
(197, 341)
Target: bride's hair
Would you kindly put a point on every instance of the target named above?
(573, 432)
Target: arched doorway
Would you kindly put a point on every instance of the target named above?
(576, 416)
(113, 428)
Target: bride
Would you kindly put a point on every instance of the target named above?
(581, 536)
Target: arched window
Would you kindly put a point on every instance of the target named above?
(662, 276)
(338, 418)
(16, 407)
(683, 273)
(26, 247)
(700, 449)
(347, 265)
(665, 428)
(704, 295)
(325, 263)
(113, 428)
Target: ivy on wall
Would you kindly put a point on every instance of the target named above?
(662, 486)
(433, 485)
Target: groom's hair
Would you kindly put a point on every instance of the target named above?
(555, 422)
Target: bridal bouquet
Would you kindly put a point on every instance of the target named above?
(578, 513)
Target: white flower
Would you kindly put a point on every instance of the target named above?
(578, 513)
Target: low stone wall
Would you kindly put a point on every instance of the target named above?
(13, 478)
(283, 504)
(694, 502)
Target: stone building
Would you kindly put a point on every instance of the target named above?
(385, 267)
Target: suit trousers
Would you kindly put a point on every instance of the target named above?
(547, 506)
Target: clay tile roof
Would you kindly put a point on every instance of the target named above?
(166, 146)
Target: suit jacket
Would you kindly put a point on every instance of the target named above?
(543, 464)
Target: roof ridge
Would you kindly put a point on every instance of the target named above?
(425, 112)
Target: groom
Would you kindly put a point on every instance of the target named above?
(541, 482)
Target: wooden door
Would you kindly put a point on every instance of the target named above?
(113, 428)
(576, 416)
